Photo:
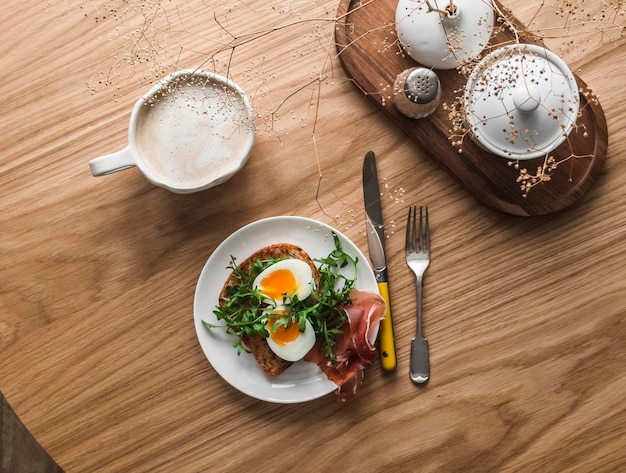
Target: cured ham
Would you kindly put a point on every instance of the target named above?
(355, 348)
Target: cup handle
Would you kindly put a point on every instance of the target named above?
(113, 162)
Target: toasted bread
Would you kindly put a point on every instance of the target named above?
(269, 362)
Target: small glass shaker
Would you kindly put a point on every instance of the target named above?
(416, 92)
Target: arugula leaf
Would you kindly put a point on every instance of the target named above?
(246, 311)
(243, 308)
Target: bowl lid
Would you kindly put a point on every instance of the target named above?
(521, 101)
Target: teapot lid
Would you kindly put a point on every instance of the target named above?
(521, 101)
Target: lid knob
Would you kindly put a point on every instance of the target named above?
(527, 97)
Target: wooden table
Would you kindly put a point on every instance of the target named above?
(98, 352)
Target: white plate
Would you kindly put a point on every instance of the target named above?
(302, 381)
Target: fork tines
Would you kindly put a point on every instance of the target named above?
(417, 237)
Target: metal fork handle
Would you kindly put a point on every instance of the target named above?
(419, 364)
(419, 369)
(419, 286)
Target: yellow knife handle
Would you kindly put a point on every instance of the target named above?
(386, 339)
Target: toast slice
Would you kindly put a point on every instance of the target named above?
(270, 363)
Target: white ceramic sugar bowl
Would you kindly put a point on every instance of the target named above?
(521, 101)
(441, 34)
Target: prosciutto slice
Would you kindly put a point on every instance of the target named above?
(355, 348)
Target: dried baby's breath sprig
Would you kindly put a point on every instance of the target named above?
(153, 38)
(456, 114)
(542, 174)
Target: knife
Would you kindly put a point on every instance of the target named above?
(376, 246)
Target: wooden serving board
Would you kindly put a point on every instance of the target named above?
(369, 53)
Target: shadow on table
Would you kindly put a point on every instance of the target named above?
(19, 451)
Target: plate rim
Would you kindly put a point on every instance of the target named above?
(272, 392)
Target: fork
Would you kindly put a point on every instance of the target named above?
(417, 252)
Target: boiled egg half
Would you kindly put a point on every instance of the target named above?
(284, 279)
(287, 341)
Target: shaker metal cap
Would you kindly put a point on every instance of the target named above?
(421, 86)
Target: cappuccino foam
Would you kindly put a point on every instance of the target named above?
(195, 132)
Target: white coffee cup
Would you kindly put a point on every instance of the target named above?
(193, 130)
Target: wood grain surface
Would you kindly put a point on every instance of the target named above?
(98, 353)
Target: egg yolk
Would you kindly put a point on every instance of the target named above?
(283, 334)
(279, 282)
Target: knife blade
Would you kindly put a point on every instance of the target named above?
(376, 247)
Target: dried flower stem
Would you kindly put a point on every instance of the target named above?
(447, 11)
(145, 52)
